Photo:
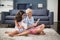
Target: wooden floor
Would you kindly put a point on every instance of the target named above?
(58, 27)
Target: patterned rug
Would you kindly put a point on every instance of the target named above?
(51, 34)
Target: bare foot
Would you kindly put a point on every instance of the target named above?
(16, 35)
(6, 32)
(11, 35)
(42, 33)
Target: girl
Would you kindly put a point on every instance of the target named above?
(19, 24)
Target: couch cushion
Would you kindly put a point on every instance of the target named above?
(13, 12)
(40, 12)
(44, 22)
(9, 21)
(9, 17)
(42, 18)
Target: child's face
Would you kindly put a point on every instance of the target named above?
(29, 14)
(23, 16)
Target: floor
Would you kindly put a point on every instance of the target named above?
(58, 28)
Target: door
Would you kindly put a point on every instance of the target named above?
(58, 27)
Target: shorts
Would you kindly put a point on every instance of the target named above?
(33, 30)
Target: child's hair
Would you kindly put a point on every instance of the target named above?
(18, 16)
(28, 10)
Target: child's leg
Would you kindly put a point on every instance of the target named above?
(12, 33)
(40, 28)
(42, 33)
(23, 33)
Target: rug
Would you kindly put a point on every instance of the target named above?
(51, 34)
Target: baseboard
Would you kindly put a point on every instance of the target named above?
(55, 20)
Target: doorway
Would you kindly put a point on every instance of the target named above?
(58, 27)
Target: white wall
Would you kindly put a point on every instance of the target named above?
(8, 5)
(52, 5)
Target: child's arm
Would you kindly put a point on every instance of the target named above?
(37, 21)
(35, 24)
(24, 25)
(16, 23)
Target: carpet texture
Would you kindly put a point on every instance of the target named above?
(51, 34)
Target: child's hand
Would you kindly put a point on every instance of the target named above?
(37, 21)
(34, 24)
(20, 27)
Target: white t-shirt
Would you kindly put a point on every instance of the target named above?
(24, 25)
(21, 24)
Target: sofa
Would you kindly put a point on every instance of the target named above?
(45, 16)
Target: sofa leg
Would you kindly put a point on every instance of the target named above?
(10, 26)
(48, 26)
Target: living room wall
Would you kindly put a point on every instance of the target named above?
(33, 2)
(52, 5)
